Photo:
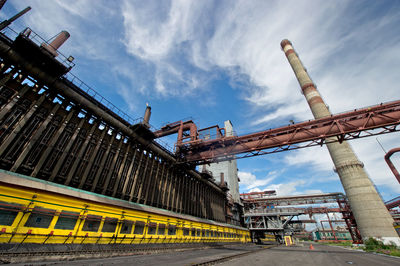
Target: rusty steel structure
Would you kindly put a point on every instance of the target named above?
(54, 129)
(364, 122)
(390, 163)
(269, 213)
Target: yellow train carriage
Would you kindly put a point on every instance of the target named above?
(30, 213)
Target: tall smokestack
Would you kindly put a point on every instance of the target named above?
(372, 216)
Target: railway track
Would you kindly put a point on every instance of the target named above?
(92, 252)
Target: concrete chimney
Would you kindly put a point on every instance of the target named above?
(372, 216)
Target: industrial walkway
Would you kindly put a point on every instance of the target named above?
(262, 255)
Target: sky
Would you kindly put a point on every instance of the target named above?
(212, 61)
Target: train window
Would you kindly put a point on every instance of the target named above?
(161, 229)
(126, 227)
(171, 229)
(185, 231)
(139, 228)
(8, 212)
(152, 229)
(198, 232)
(40, 218)
(193, 232)
(92, 223)
(109, 225)
(67, 220)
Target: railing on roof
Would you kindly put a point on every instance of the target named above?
(34, 37)
(94, 94)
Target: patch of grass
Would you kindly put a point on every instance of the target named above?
(374, 245)
(333, 243)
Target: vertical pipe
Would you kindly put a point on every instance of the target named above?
(363, 197)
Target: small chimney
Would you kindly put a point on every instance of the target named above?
(56, 43)
(147, 115)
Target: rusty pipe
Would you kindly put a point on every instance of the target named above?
(390, 164)
(176, 127)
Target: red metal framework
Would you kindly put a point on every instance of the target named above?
(390, 163)
(370, 121)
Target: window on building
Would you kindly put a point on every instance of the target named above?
(110, 224)
(67, 220)
(40, 218)
(8, 212)
(126, 227)
(171, 230)
(198, 232)
(207, 233)
(161, 229)
(139, 228)
(193, 232)
(92, 223)
(185, 231)
(152, 229)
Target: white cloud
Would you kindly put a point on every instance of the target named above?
(287, 188)
(251, 182)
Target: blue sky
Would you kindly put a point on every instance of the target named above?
(219, 60)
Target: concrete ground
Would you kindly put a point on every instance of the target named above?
(321, 255)
(281, 255)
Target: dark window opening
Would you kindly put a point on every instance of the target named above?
(139, 228)
(126, 227)
(171, 230)
(40, 218)
(193, 232)
(92, 223)
(67, 220)
(152, 229)
(8, 212)
(185, 231)
(110, 224)
(161, 229)
(198, 232)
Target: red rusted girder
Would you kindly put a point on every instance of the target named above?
(178, 127)
(391, 165)
(355, 124)
(393, 203)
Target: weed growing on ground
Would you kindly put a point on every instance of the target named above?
(374, 245)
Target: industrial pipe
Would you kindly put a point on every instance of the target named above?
(7, 22)
(178, 127)
(390, 163)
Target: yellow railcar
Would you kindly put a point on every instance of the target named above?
(34, 211)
